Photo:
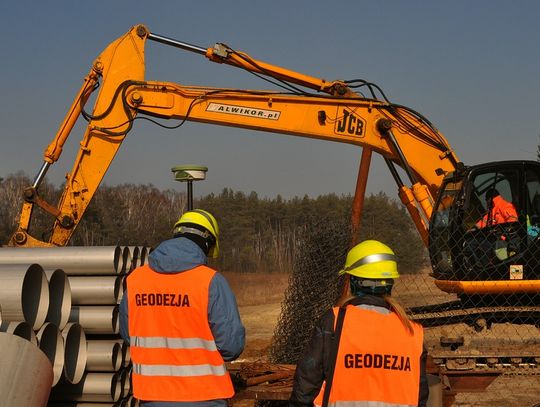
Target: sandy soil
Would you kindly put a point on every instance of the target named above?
(260, 321)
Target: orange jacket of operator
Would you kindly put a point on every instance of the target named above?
(173, 351)
(502, 211)
(378, 361)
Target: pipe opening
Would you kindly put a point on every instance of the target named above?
(35, 296)
(59, 298)
(51, 343)
(75, 354)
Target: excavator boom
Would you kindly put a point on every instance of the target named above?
(335, 113)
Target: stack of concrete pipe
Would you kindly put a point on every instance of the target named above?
(65, 301)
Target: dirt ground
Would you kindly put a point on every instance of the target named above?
(508, 390)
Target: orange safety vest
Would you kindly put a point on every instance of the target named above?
(378, 361)
(501, 212)
(173, 351)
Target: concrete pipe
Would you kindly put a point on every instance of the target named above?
(51, 343)
(96, 319)
(74, 260)
(75, 353)
(24, 293)
(26, 376)
(59, 297)
(103, 356)
(94, 387)
(19, 328)
(95, 290)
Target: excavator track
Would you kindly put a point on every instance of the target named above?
(512, 363)
(481, 355)
(478, 317)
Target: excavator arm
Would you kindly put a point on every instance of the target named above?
(334, 113)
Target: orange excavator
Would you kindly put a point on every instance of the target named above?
(444, 197)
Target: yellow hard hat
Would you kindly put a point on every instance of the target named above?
(371, 259)
(201, 218)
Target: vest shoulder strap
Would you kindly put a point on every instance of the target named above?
(333, 355)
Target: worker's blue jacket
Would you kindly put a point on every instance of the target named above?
(176, 256)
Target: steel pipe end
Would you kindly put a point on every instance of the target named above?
(51, 343)
(143, 255)
(21, 329)
(35, 296)
(119, 288)
(75, 352)
(126, 260)
(59, 298)
(135, 254)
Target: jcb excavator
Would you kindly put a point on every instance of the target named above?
(445, 197)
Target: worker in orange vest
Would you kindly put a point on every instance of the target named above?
(499, 210)
(181, 320)
(365, 352)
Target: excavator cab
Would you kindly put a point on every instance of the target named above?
(474, 248)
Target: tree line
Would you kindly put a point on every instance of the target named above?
(256, 234)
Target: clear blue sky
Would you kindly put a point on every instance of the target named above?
(471, 67)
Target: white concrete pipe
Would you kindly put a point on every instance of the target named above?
(59, 297)
(103, 355)
(95, 290)
(21, 329)
(51, 343)
(24, 293)
(26, 376)
(96, 319)
(94, 387)
(74, 260)
(75, 354)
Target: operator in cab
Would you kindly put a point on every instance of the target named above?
(365, 352)
(181, 320)
(499, 210)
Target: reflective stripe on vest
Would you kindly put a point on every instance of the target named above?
(172, 343)
(378, 362)
(171, 370)
(174, 354)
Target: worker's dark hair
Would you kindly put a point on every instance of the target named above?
(492, 193)
(361, 286)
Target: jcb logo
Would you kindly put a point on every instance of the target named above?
(348, 123)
